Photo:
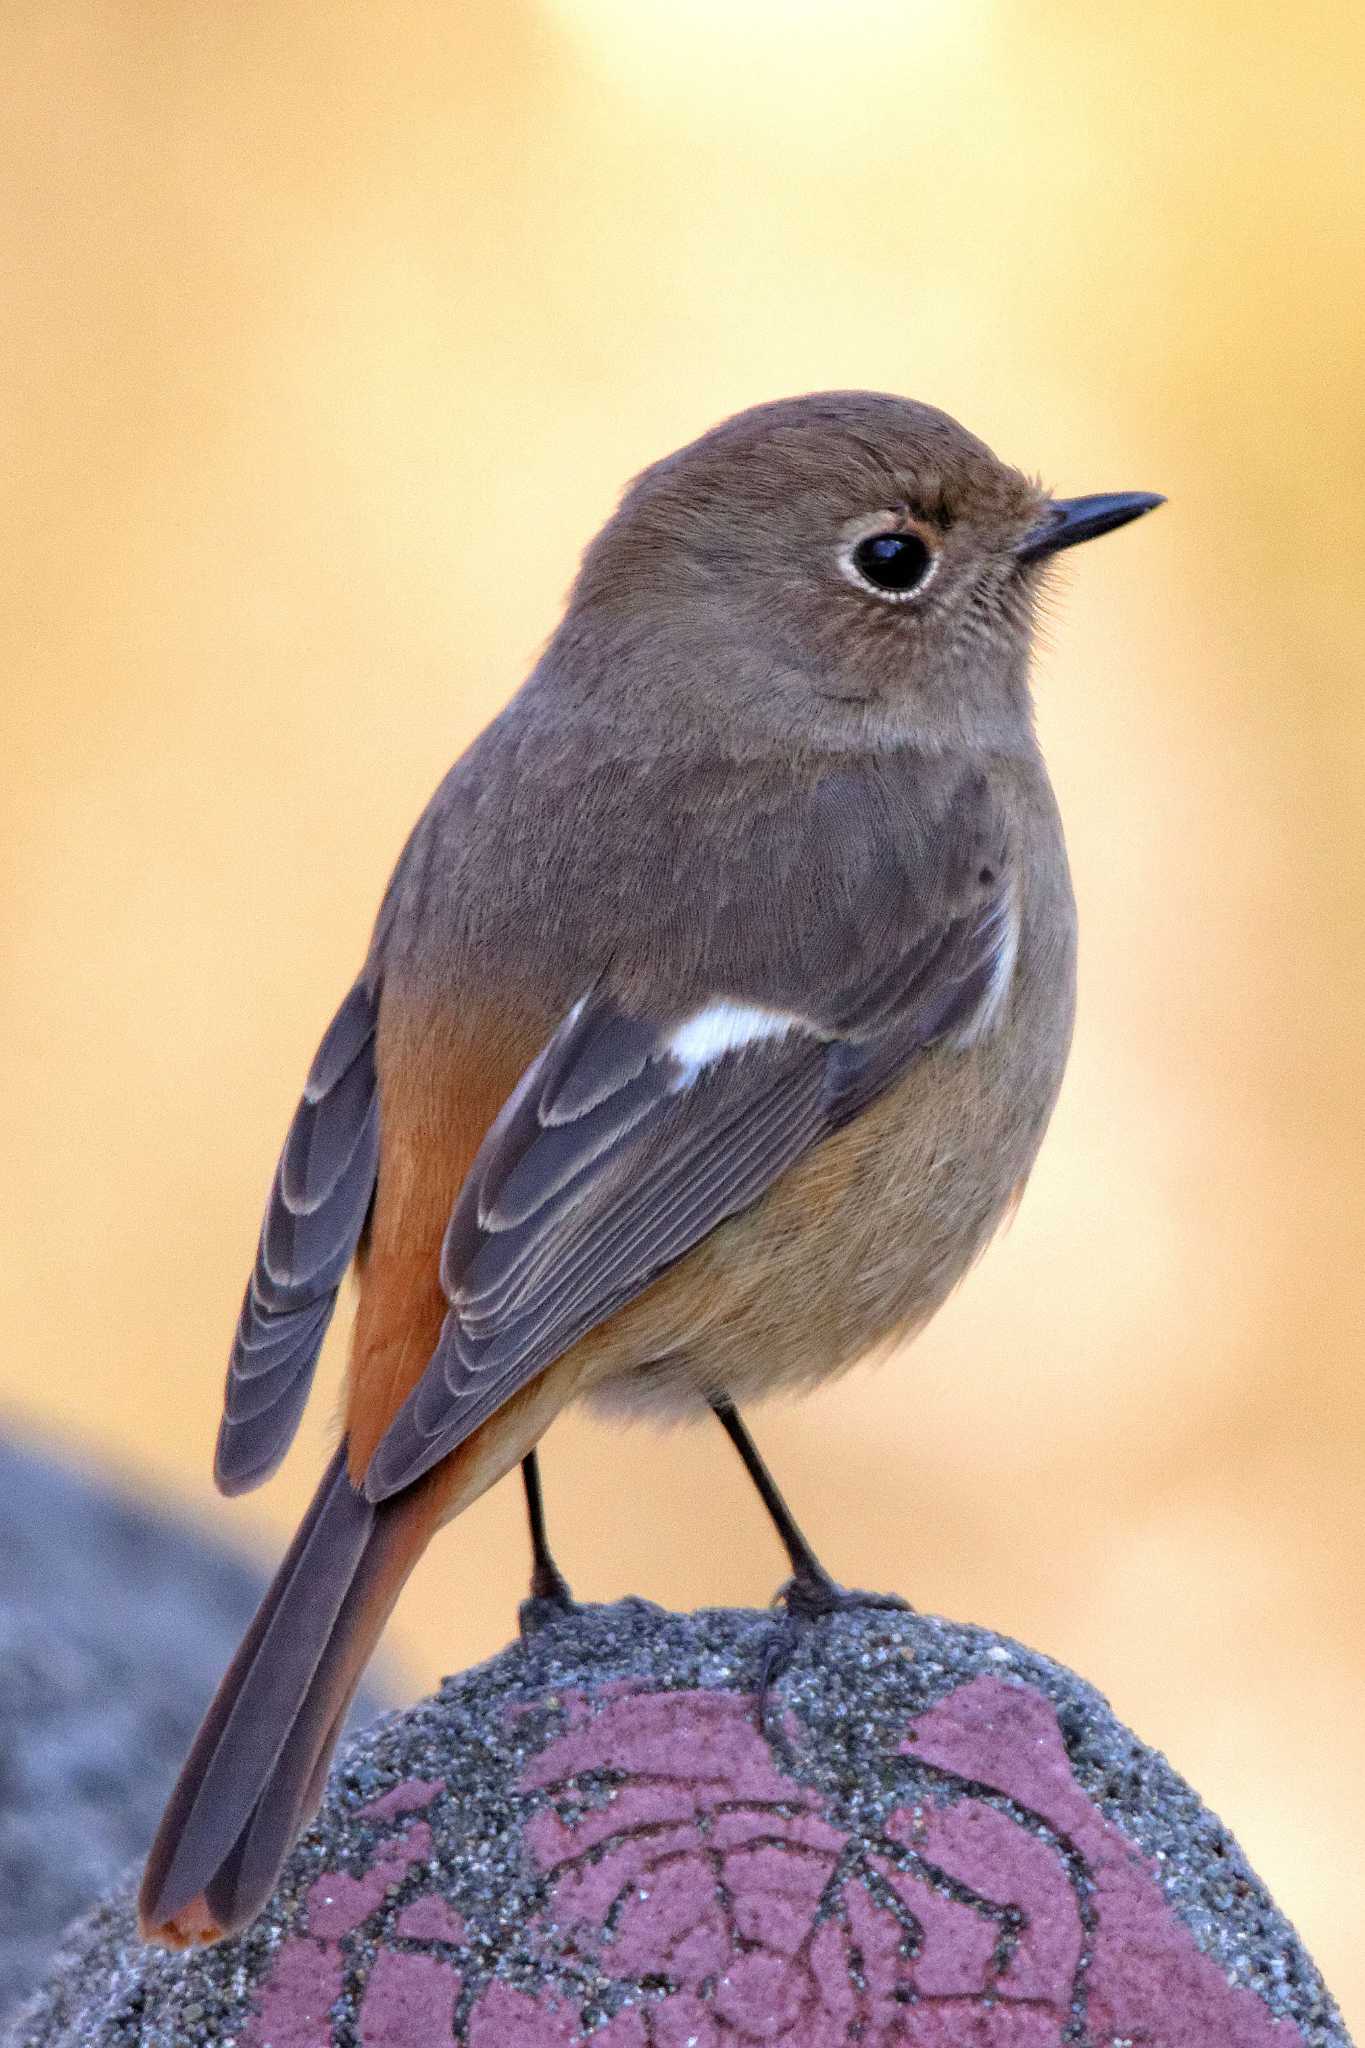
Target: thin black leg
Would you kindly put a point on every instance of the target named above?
(807, 1569)
(548, 1582)
(811, 1593)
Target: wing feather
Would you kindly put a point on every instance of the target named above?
(318, 1203)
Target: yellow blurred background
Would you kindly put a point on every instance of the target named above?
(330, 332)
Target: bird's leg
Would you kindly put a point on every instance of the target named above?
(550, 1595)
(810, 1593)
(808, 1574)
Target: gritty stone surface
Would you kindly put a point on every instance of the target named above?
(936, 1838)
(115, 1625)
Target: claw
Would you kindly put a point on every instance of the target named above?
(807, 1599)
(550, 1601)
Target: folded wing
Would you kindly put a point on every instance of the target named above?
(319, 1200)
(632, 1136)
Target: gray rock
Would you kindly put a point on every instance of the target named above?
(932, 1837)
(115, 1625)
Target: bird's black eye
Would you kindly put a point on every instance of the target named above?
(896, 563)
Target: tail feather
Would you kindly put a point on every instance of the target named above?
(257, 1767)
(292, 1792)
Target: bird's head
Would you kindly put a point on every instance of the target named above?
(849, 566)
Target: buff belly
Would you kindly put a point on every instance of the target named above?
(854, 1248)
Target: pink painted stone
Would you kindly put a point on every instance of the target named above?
(430, 1919)
(338, 1903)
(735, 1911)
(410, 1795)
(713, 1866)
(1146, 1971)
(409, 1999)
(300, 1989)
(504, 2018)
(306, 1977)
(587, 1843)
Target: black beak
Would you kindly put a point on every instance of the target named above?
(1069, 520)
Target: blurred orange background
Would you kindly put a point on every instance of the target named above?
(330, 333)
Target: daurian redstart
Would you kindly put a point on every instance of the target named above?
(710, 1026)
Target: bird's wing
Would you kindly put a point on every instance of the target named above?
(632, 1135)
(318, 1203)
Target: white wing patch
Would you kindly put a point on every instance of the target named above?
(987, 1014)
(706, 1036)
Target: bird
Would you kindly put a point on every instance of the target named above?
(709, 1028)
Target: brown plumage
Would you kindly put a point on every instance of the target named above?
(711, 1023)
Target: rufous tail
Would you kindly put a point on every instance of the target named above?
(258, 1765)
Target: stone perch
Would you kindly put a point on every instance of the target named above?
(939, 1838)
(115, 1625)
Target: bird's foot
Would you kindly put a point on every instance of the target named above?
(812, 1599)
(549, 1601)
(805, 1600)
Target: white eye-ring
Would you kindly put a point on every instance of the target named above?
(892, 562)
